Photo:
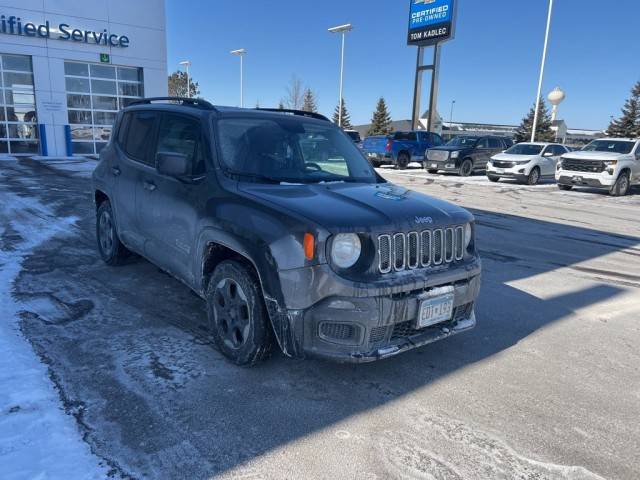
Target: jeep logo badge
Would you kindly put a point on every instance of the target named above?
(423, 220)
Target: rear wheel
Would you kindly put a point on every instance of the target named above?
(237, 314)
(112, 251)
(566, 188)
(403, 161)
(622, 185)
(534, 176)
(466, 168)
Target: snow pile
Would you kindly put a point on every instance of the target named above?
(38, 440)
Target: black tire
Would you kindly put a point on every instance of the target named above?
(432, 171)
(403, 161)
(466, 168)
(493, 179)
(111, 249)
(534, 176)
(375, 164)
(622, 185)
(238, 318)
(566, 188)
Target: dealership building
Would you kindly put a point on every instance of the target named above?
(67, 67)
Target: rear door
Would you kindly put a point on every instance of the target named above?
(482, 154)
(133, 160)
(169, 207)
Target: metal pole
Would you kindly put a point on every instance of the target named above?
(341, 80)
(453, 102)
(417, 89)
(241, 81)
(433, 95)
(544, 59)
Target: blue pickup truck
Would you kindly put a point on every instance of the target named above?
(400, 148)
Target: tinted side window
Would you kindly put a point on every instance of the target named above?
(483, 143)
(139, 132)
(180, 134)
(435, 139)
(495, 143)
(122, 129)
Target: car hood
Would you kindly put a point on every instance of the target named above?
(349, 207)
(508, 157)
(450, 148)
(580, 155)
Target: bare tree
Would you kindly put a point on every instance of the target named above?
(295, 94)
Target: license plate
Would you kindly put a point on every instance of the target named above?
(371, 155)
(500, 170)
(434, 165)
(435, 310)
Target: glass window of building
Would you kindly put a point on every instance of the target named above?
(18, 121)
(95, 92)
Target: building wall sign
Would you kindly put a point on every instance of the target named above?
(12, 25)
(431, 21)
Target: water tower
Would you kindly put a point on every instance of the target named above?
(556, 97)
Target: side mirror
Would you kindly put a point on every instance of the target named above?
(548, 154)
(172, 164)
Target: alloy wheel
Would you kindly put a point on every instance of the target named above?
(105, 228)
(232, 313)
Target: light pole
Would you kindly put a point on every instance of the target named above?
(186, 64)
(453, 102)
(544, 59)
(343, 29)
(241, 52)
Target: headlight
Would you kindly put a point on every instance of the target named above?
(611, 163)
(468, 235)
(345, 250)
(455, 154)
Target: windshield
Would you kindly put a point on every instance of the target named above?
(609, 146)
(290, 150)
(525, 149)
(463, 141)
(407, 136)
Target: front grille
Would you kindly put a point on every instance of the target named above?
(573, 165)
(437, 155)
(337, 331)
(377, 334)
(502, 164)
(407, 329)
(401, 251)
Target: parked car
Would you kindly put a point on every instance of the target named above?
(611, 163)
(400, 148)
(526, 162)
(354, 135)
(465, 154)
(323, 258)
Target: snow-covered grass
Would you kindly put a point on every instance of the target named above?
(38, 440)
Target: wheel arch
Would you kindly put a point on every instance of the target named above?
(99, 197)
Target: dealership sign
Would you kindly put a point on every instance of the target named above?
(431, 21)
(12, 25)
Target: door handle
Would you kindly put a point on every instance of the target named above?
(150, 186)
(116, 171)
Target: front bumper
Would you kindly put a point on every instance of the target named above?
(586, 179)
(517, 172)
(450, 165)
(379, 157)
(359, 323)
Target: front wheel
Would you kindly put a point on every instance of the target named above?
(565, 188)
(493, 178)
(466, 168)
(403, 161)
(432, 171)
(534, 176)
(237, 314)
(112, 251)
(622, 185)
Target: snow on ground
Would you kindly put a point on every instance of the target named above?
(78, 166)
(38, 440)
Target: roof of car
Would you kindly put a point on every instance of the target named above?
(625, 139)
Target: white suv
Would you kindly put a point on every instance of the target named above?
(526, 162)
(611, 163)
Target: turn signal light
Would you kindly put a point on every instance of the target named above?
(309, 245)
(387, 147)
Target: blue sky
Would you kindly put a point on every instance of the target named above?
(490, 68)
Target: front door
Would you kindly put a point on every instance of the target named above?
(482, 154)
(169, 207)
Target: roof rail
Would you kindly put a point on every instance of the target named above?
(194, 102)
(301, 113)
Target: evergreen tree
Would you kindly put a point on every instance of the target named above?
(628, 125)
(543, 128)
(309, 103)
(381, 120)
(346, 119)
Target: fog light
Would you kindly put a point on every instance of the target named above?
(450, 165)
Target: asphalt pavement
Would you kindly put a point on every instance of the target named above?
(547, 386)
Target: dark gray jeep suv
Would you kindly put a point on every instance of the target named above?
(277, 220)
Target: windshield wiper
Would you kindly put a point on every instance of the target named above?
(256, 177)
